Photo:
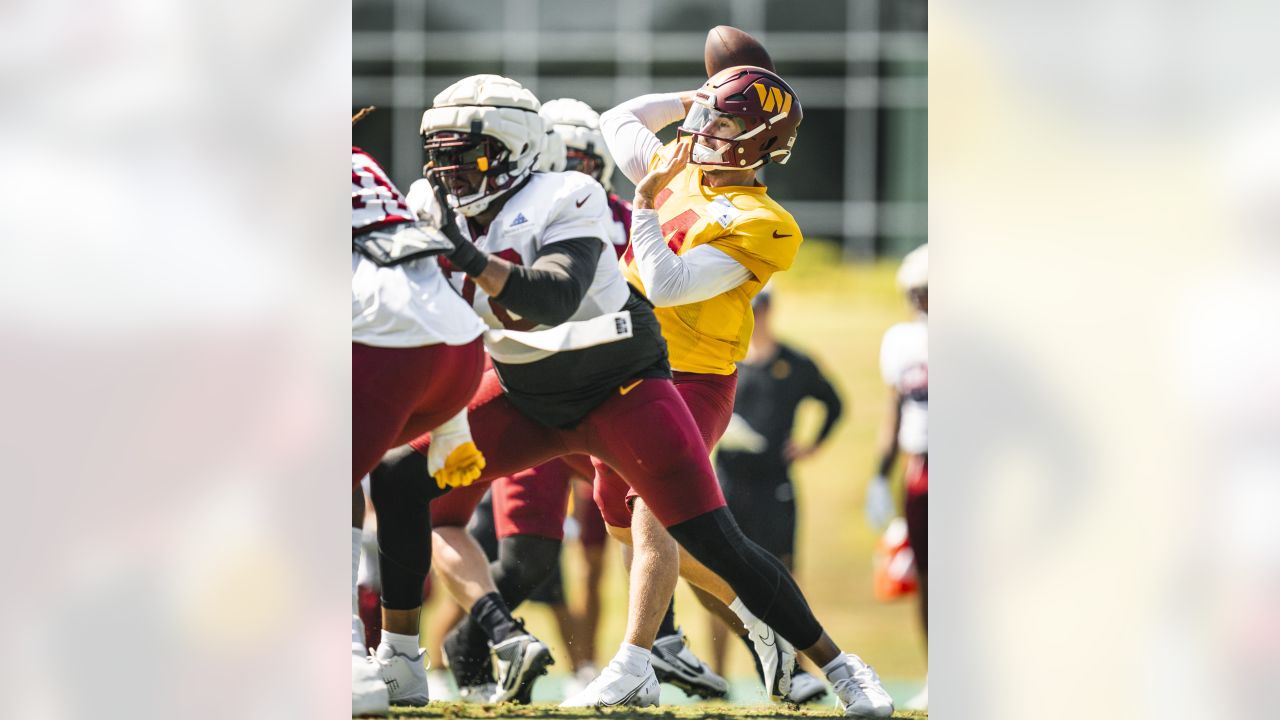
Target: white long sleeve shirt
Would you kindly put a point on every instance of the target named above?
(669, 279)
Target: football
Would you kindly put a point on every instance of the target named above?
(728, 46)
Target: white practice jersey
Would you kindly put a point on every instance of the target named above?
(904, 363)
(406, 305)
(551, 207)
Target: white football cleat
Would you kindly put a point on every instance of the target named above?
(777, 658)
(405, 677)
(858, 690)
(369, 697)
(357, 637)
(674, 663)
(921, 700)
(579, 680)
(440, 685)
(805, 688)
(616, 687)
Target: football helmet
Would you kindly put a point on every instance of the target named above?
(742, 118)
(578, 127)
(552, 158)
(482, 136)
(914, 272)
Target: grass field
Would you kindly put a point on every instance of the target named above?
(837, 313)
(463, 711)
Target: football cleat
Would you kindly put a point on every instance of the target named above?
(921, 699)
(617, 687)
(405, 676)
(858, 691)
(440, 685)
(369, 697)
(357, 637)
(519, 661)
(806, 688)
(472, 671)
(675, 664)
(777, 658)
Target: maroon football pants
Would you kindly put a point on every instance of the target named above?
(644, 432)
(398, 394)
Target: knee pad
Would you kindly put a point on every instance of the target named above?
(524, 562)
(759, 579)
(401, 491)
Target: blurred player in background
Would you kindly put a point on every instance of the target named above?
(753, 459)
(904, 364)
(705, 239)
(416, 358)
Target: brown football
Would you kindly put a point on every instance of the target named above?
(728, 46)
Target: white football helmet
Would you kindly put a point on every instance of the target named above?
(482, 133)
(914, 272)
(578, 127)
(552, 158)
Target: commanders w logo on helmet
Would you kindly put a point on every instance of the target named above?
(773, 97)
(742, 118)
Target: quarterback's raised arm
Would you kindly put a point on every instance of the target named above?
(670, 279)
(629, 129)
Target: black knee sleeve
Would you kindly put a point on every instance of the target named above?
(524, 562)
(402, 492)
(760, 580)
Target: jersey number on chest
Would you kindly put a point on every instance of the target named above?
(673, 230)
(469, 292)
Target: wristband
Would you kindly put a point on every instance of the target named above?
(469, 259)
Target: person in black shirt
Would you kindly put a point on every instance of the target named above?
(754, 459)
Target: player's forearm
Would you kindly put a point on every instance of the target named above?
(887, 442)
(834, 410)
(550, 290)
(629, 129)
(670, 279)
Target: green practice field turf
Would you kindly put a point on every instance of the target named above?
(550, 712)
(837, 313)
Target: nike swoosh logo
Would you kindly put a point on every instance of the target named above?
(776, 235)
(583, 200)
(628, 388)
(625, 698)
(767, 639)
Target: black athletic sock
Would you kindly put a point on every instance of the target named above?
(751, 649)
(668, 626)
(492, 615)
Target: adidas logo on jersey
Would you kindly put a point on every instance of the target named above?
(520, 220)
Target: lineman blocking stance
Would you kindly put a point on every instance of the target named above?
(416, 357)
(529, 508)
(615, 402)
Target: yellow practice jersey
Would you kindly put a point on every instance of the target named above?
(711, 336)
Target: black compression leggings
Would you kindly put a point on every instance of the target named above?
(402, 491)
(761, 581)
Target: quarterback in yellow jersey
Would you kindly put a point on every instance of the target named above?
(705, 238)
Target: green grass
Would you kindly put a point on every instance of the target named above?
(709, 711)
(837, 313)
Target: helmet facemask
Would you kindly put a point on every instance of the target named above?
(717, 138)
(587, 163)
(472, 169)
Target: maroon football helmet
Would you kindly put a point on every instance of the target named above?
(742, 118)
